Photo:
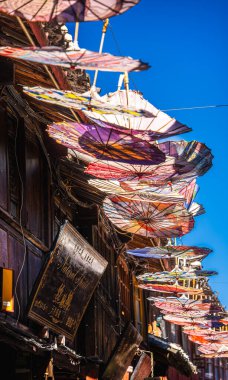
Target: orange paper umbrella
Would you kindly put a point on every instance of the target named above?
(150, 219)
(208, 340)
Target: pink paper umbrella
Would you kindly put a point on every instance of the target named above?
(193, 306)
(183, 313)
(207, 333)
(66, 10)
(166, 288)
(75, 59)
(182, 321)
(214, 348)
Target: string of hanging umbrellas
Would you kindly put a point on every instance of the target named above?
(182, 298)
(150, 185)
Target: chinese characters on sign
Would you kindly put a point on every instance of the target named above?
(67, 283)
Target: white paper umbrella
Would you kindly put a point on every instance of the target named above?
(160, 125)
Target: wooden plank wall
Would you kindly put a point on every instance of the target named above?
(21, 167)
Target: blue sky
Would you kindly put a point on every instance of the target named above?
(186, 45)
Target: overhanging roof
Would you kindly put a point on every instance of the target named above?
(171, 354)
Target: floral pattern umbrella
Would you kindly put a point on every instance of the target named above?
(148, 218)
(66, 10)
(175, 275)
(170, 251)
(75, 59)
(158, 126)
(106, 143)
(86, 101)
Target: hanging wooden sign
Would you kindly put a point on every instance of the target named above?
(123, 353)
(66, 283)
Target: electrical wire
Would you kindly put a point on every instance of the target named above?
(20, 223)
(195, 107)
(119, 49)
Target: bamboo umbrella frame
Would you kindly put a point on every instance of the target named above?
(104, 30)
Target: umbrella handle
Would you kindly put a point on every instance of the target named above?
(104, 30)
(126, 85)
(76, 33)
(120, 81)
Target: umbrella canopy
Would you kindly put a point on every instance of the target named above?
(155, 174)
(180, 192)
(174, 275)
(215, 355)
(207, 333)
(183, 160)
(159, 125)
(182, 321)
(210, 322)
(75, 59)
(106, 143)
(224, 321)
(205, 340)
(148, 218)
(166, 288)
(189, 305)
(66, 10)
(115, 188)
(213, 348)
(88, 100)
(190, 157)
(170, 251)
(184, 313)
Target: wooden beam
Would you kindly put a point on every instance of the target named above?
(42, 40)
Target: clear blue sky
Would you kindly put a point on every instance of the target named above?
(186, 45)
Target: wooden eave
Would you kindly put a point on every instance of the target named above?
(171, 354)
(21, 337)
